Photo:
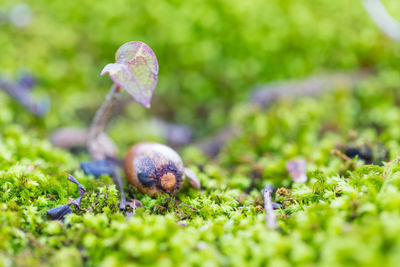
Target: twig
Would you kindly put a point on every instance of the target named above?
(382, 18)
(314, 85)
(81, 189)
(340, 154)
(270, 216)
(263, 96)
(133, 204)
(59, 212)
(70, 137)
(99, 124)
(24, 96)
(107, 167)
(117, 180)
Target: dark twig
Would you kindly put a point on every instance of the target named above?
(82, 190)
(59, 212)
(117, 180)
(270, 216)
(107, 167)
(23, 95)
(26, 80)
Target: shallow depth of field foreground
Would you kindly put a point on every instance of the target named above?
(284, 115)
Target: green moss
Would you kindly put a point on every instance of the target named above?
(211, 53)
(332, 219)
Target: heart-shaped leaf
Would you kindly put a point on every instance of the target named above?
(135, 70)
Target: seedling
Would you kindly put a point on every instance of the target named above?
(135, 71)
(154, 168)
(59, 212)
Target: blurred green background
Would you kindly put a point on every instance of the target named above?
(211, 52)
(211, 55)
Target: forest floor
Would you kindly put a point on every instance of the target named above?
(347, 212)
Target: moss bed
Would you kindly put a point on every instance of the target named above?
(347, 213)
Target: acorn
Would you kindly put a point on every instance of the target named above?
(156, 169)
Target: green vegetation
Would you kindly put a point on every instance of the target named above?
(210, 54)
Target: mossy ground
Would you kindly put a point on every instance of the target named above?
(348, 213)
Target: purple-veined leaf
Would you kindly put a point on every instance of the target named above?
(135, 70)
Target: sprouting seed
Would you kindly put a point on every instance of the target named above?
(157, 169)
(135, 70)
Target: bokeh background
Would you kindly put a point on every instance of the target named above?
(211, 53)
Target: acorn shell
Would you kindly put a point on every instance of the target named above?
(154, 168)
